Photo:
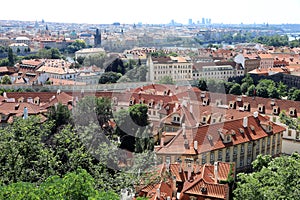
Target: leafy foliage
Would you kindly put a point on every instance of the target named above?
(74, 185)
(289, 121)
(277, 179)
(75, 46)
(166, 80)
(109, 77)
(5, 80)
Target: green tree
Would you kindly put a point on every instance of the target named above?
(235, 89)
(277, 179)
(216, 86)
(282, 89)
(24, 157)
(94, 109)
(109, 77)
(295, 95)
(166, 80)
(80, 59)
(228, 85)
(266, 88)
(202, 85)
(248, 79)
(133, 128)
(98, 60)
(74, 185)
(11, 59)
(75, 46)
(60, 114)
(244, 87)
(6, 80)
(251, 91)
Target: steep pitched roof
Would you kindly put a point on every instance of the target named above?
(208, 137)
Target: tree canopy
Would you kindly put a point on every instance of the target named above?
(74, 185)
(166, 80)
(276, 178)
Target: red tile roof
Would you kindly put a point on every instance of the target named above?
(208, 137)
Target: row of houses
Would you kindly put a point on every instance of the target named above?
(56, 71)
(190, 127)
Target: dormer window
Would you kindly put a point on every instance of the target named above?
(150, 104)
(176, 118)
(246, 106)
(131, 102)
(232, 104)
(228, 138)
(141, 101)
(214, 120)
(267, 126)
(204, 119)
(205, 101)
(225, 135)
(37, 100)
(241, 130)
(158, 106)
(115, 101)
(261, 108)
(276, 110)
(21, 99)
(239, 98)
(218, 102)
(292, 112)
(203, 93)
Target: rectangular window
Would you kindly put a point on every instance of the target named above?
(248, 160)
(212, 157)
(203, 158)
(227, 155)
(235, 150)
(220, 155)
(257, 147)
(249, 149)
(241, 162)
(289, 133)
(242, 148)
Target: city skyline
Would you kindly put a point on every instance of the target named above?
(154, 12)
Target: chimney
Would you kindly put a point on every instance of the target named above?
(162, 140)
(25, 113)
(216, 172)
(245, 122)
(158, 193)
(174, 188)
(189, 171)
(196, 145)
(183, 129)
(17, 106)
(255, 114)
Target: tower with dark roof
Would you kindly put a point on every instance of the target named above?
(97, 38)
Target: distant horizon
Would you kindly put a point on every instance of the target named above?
(40, 20)
(154, 12)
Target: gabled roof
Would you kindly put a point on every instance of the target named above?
(208, 137)
(43, 96)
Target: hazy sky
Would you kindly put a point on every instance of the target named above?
(153, 11)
